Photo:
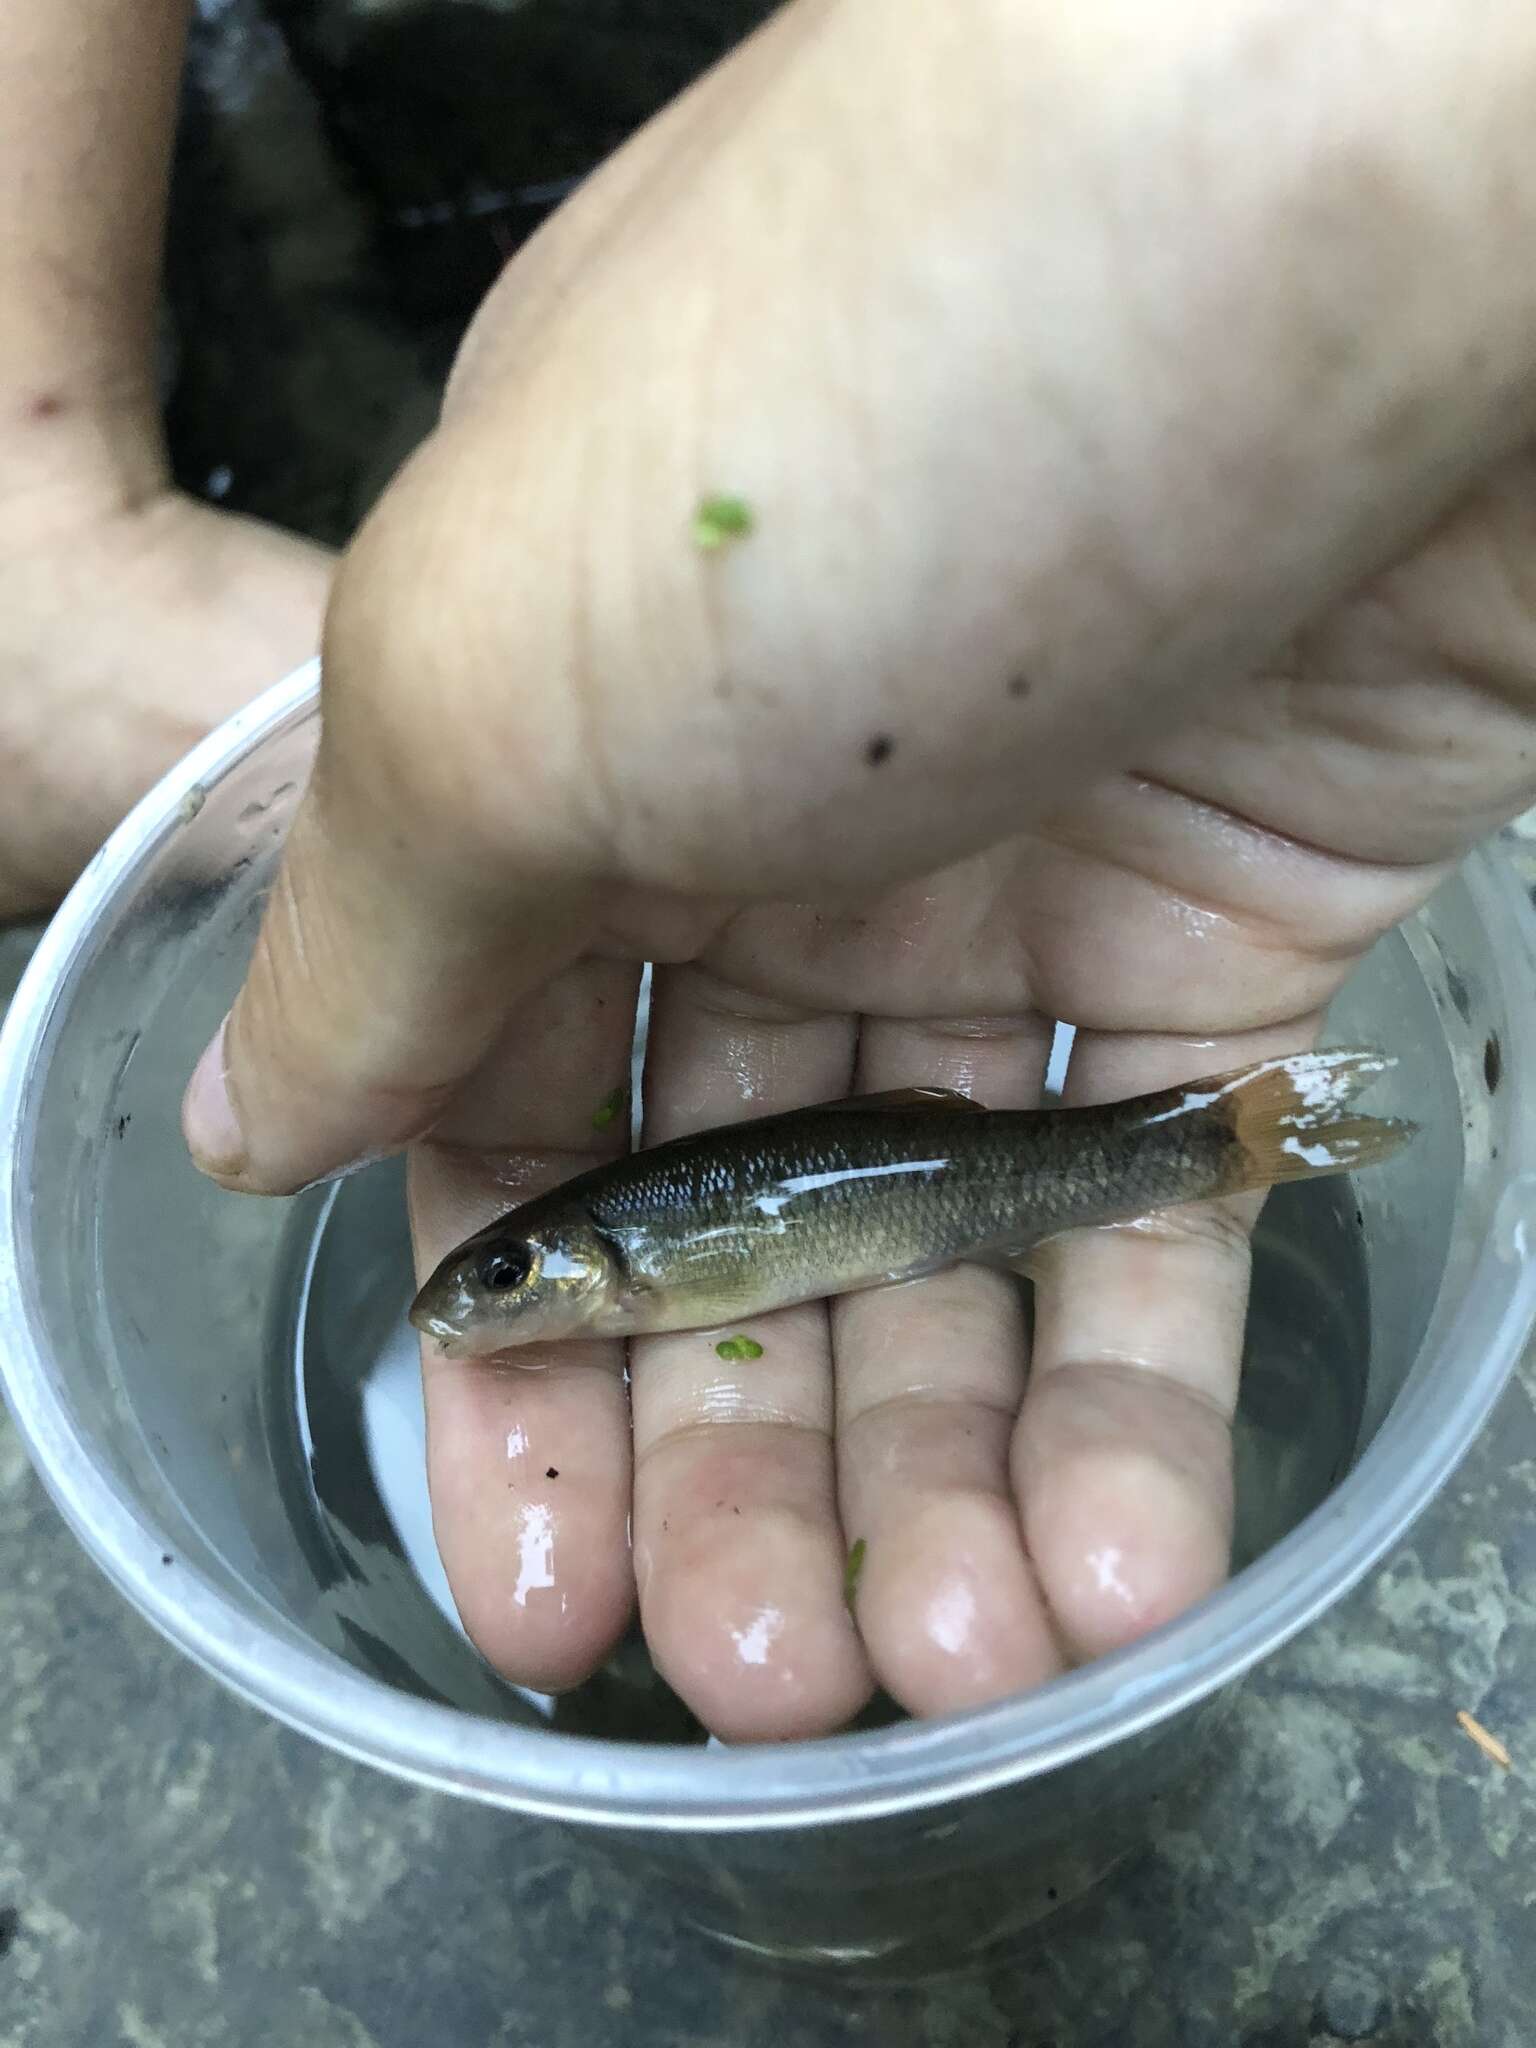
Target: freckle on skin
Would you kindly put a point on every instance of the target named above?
(46, 406)
(1018, 684)
(879, 749)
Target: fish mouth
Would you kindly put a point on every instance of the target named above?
(445, 1334)
(444, 1310)
(453, 1340)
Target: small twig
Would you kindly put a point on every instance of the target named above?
(1490, 1745)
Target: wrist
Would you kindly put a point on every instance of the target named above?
(67, 462)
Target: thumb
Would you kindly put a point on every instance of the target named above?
(392, 945)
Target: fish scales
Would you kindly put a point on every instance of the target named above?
(925, 1188)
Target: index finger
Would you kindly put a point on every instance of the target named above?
(528, 1456)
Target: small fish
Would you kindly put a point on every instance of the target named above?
(718, 1227)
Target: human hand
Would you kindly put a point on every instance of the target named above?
(132, 619)
(128, 630)
(1048, 401)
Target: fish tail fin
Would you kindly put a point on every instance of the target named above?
(1287, 1118)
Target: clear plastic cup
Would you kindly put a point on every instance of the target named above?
(186, 1365)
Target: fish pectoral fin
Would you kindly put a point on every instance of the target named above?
(904, 1098)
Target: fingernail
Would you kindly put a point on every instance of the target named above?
(208, 1120)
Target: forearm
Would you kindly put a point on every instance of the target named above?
(89, 88)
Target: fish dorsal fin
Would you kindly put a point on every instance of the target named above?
(906, 1098)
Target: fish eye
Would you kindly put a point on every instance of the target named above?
(505, 1266)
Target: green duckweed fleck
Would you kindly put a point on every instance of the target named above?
(851, 1571)
(719, 520)
(608, 1109)
(738, 1347)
